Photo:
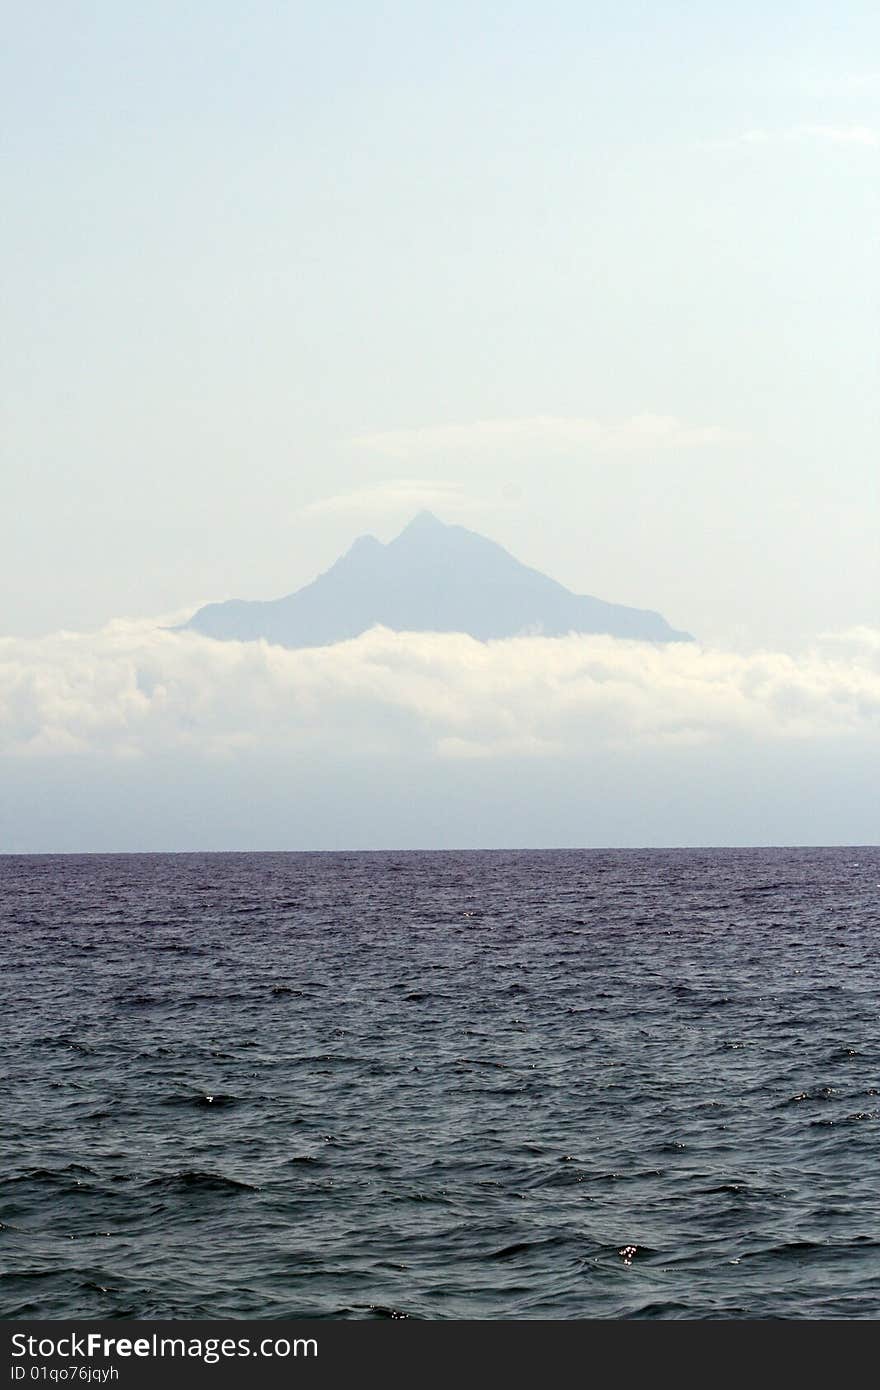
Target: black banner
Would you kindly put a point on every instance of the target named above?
(131, 1355)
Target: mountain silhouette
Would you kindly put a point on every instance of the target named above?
(430, 578)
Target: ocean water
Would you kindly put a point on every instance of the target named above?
(461, 1085)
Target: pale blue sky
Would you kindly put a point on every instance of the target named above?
(239, 239)
(597, 280)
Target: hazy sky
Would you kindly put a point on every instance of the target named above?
(262, 256)
(597, 280)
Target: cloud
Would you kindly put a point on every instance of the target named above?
(546, 434)
(828, 136)
(132, 690)
(396, 494)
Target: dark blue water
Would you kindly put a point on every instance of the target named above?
(485, 1085)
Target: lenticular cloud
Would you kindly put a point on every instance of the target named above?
(134, 688)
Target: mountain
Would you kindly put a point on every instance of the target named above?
(430, 578)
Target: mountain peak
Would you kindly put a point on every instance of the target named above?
(424, 521)
(364, 544)
(433, 577)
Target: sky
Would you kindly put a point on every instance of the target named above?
(599, 281)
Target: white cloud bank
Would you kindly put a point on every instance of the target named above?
(394, 494)
(547, 433)
(132, 690)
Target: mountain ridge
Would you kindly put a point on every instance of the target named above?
(432, 577)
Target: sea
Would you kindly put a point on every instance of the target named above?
(488, 1085)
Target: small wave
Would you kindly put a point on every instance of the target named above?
(480, 1062)
(822, 1093)
(63, 1040)
(521, 1247)
(855, 1118)
(217, 997)
(35, 1275)
(195, 1179)
(759, 888)
(71, 1175)
(660, 1309)
(788, 1250)
(212, 1100)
